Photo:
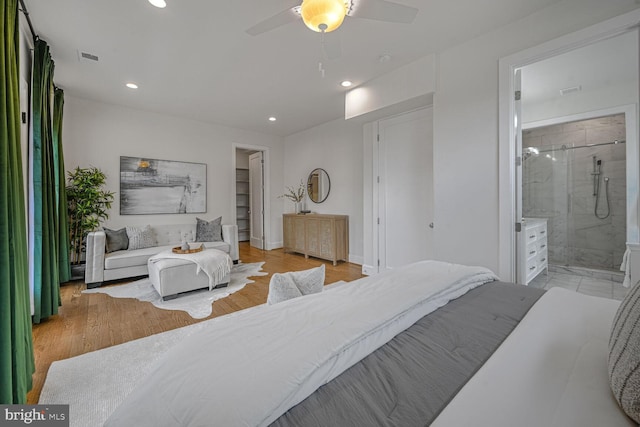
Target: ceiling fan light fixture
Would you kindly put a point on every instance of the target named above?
(158, 3)
(323, 15)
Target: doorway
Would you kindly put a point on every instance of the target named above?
(256, 200)
(405, 189)
(250, 194)
(567, 77)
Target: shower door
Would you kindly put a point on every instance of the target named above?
(547, 192)
(574, 175)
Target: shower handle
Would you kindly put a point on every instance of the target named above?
(597, 164)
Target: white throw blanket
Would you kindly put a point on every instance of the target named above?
(626, 267)
(247, 370)
(213, 262)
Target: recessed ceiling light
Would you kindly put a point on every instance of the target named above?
(158, 3)
(132, 86)
(272, 119)
(346, 83)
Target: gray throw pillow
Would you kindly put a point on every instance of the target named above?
(117, 240)
(284, 286)
(624, 354)
(209, 231)
(140, 238)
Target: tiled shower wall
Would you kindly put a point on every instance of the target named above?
(558, 185)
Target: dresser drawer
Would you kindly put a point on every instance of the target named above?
(532, 270)
(541, 244)
(531, 235)
(541, 231)
(542, 260)
(531, 251)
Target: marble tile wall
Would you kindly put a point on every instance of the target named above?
(558, 184)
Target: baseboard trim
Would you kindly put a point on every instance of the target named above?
(369, 270)
(274, 245)
(356, 259)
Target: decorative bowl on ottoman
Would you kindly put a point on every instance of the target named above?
(189, 250)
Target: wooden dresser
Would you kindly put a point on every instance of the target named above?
(317, 235)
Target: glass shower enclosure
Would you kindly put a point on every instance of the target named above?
(574, 174)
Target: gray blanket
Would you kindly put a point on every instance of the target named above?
(409, 380)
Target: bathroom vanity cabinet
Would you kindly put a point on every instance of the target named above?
(533, 252)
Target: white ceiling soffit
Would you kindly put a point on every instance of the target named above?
(194, 58)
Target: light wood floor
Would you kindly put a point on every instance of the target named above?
(88, 322)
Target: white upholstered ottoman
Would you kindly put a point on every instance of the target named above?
(172, 274)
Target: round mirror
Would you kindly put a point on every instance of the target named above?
(318, 185)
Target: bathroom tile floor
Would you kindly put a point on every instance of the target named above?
(583, 284)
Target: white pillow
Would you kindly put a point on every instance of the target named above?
(284, 286)
(140, 238)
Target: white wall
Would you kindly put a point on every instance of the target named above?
(613, 95)
(336, 147)
(97, 134)
(466, 161)
(606, 71)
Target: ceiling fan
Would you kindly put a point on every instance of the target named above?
(327, 15)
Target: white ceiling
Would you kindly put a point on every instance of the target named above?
(194, 59)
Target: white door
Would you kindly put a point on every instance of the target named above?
(256, 200)
(405, 189)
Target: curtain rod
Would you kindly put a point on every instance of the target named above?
(24, 11)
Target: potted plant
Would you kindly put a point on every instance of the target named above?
(87, 205)
(296, 196)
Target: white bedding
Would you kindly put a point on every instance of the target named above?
(235, 372)
(551, 371)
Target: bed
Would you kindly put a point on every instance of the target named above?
(428, 344)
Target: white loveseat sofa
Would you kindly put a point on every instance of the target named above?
(102, 266)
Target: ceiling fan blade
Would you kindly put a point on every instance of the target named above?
(382, 10)
(331, 45)
(282, 18)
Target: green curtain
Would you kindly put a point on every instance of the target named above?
(46, 280)
(16, 342)
(64, 267)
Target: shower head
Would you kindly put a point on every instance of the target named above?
(528, 152)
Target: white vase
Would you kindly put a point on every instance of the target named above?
(297, 207)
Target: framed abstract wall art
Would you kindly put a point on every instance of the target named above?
(152, 186)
